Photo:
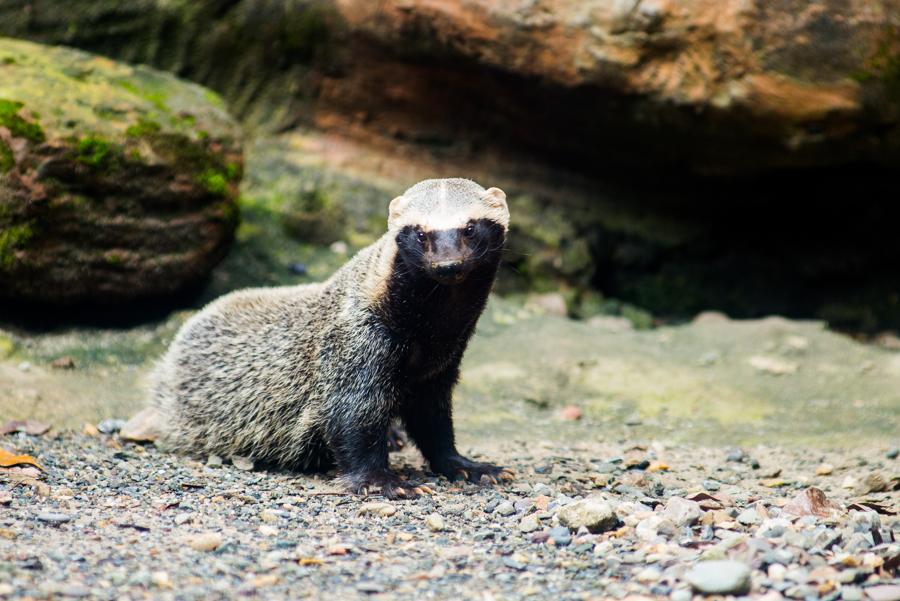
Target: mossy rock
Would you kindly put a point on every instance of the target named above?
(117, 182)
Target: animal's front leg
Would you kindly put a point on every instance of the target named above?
(359, 441)
(428, 416)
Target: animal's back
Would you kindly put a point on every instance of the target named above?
(233, 382)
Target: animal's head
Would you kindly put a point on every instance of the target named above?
(448, 227)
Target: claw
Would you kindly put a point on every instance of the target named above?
(488, 479)
(426, 489)
(464, 474)
(506, 474)
(400, 491)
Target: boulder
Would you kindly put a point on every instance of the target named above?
(715, 86)
(117, 183)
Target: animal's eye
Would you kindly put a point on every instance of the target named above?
(469, 231)
(420, 236)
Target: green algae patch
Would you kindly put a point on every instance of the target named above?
(7, 159)
(18, 126)
(13, 238)
(95, 152)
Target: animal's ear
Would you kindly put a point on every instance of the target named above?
(395, 210)
(496, 198)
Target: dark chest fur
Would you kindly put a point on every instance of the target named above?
(431, 323)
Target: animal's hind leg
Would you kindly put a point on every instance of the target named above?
(396, 438)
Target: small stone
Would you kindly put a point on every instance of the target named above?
(682, 512)
(90, 430)
(244, 464)
(735, 456)
(874, 482)
(267, 530)
(893, 453)
(634, 420)
(593, 513)
(529, 523)
(851, 593)
(773, 528)
(773, 366)
(65, 362)
(681, 594)
(884, 592)
(711, 485)
(561, 536)
(111, 426)
(505, 508)
(145, 426)
(369, 587)
(570, 413)
(435, 522)
(377, 508)
(214, 461)
(297, 268)
(205, 541)
(723, 577)
(825, 469)
(544, 468)
(54, 518)
(749, 517)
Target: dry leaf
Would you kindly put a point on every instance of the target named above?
(30, 427)
(7, 459)
(811, 501)
(872, 506)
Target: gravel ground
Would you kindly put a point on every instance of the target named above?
(618, 520)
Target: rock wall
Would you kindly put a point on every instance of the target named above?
(707, 85)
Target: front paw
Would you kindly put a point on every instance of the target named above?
(458, 467)
(383, 482)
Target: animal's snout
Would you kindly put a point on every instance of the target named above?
(448, 269)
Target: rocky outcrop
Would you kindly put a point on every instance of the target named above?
(116, 182)
(715, 86)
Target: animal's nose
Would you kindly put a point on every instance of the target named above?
(447, 268)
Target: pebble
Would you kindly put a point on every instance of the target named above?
(505, 508)
(54, 518)
(205, 541)
(893, 453)
(530, 523)
(111, 426)
(242, 463)
(682, 512)
(723, 577)
(773, 528)
(681, 594)
(376, 508)
(214, 461)
(561, 536)
(593, 513)
(711, 485)
(435, 522)
(749, 517)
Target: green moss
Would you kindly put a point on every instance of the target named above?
(232, 171)
(143, 128)
(12, 238)
(17, 125)
(7, 346)
(94, 152)
(884, 67)
(213, 181)
(7, 160)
